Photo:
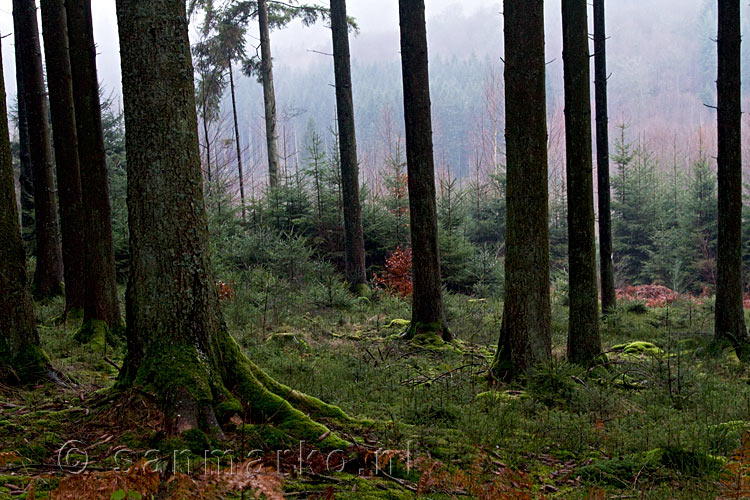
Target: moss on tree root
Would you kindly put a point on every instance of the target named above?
(207, 389)
(29, 365)
(436, 333)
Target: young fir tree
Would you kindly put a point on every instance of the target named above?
(699, 227)
(178, 345)
(635, 209)
(428, 317)
(21, 357)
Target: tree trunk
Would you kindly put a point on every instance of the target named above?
(427, 308)
(237, 142)
(584, 343)
(102, 308)
(49, 266)
(354, 240)
(21, 357)
(730, 319)
(269, 95)
(178, 344)
(60, 83)
(606, 267)
(26, 178)
(526, 338)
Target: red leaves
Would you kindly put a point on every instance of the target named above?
(653, 295)
(226, 291)
(397, 277)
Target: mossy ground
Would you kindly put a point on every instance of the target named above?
(658, 422)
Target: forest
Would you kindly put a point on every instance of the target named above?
(428, 276)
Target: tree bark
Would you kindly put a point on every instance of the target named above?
(49, 266)
(26, 178)
(60, 83)
(269, 95)
(526, 338)
(21, 357)
(584, 343)
(178, 344)
(102, 306)
(354, 240)
(427, 308)
(606, 267)
(237, 142)
(730, 319)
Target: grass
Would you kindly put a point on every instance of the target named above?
(661, 421)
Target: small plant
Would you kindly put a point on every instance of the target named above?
(397, 278)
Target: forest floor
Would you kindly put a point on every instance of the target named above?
(665, 419)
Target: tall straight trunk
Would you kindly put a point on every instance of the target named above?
(102, 305)
(525, 338)
(269, 95)
(354, 239)
(427, 307)
(237, 142)
(208, 147)
(178, 344)
(49, 265)
(60, 83)
(730, 319)
(26, 178)
(21, 358)
(584, 343)
(606, 267)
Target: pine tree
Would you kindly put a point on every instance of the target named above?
(584, 343)
(428, 317)
(178, 345)
(49, 266)
(525, 335)
(21, 357)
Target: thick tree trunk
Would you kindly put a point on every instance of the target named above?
(178, 344)
(427, 308)
(21, 358)
(354, 240)
(49, 266)
(60, 83)
(730, 319)
(237, 142)
(606, 267)
(526, 338)
(26, 178)
(269, 95)
(102, 307)
(584, 343)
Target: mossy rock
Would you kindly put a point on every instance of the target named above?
(502, 396)
(639, 348)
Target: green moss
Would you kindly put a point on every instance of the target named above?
(398, 323)
(227, 409)
(196, 441)
(639, 348)
(267, 437)
(31, 364)
(93, 331)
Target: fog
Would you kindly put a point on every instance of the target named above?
(661, 56)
